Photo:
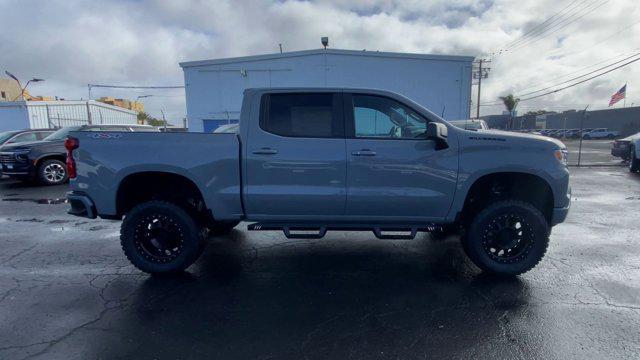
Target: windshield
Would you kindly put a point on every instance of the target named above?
(5, 135)
(62, 133)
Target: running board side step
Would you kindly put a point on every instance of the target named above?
(317, 231)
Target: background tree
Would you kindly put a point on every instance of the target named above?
(510, 102)
(143, 118)
(540, 112)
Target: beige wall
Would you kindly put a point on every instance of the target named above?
(123, 103)
(10, 89)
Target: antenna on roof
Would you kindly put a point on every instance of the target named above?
(325, 41)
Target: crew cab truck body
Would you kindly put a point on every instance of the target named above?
(308, 161)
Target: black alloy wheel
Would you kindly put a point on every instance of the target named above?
(161, 237)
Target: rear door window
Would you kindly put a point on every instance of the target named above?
(30, 136)
(313, 115)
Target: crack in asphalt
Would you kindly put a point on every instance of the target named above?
(16, 255)
(107, 305)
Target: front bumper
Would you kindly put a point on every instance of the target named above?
(81, 205)
(10, 166)
(621, 152)
(560, 213)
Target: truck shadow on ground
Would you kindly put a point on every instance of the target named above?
(334, 298)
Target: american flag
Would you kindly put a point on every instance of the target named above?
(619, 95)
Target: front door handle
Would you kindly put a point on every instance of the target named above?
(266, 151)
(364, 152)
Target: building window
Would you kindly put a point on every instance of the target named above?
(3, 95)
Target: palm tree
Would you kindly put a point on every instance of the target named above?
(510, 102)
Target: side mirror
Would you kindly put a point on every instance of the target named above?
(438, 132)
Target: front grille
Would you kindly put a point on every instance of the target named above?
(620, 144)
(7, 158)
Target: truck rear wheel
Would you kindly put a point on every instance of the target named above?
(160, 237)
(508, 237)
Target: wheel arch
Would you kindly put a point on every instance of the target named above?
(495, 186)
(142, 186)
(48, 156)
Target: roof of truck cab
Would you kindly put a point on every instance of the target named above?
(325, 51)
(320, 88)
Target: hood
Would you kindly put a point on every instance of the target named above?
(28, 145)
(632, 137)
(544, 140)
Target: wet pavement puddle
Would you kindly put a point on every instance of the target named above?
(40, 201)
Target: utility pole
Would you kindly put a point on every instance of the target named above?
(481, 72)
(479, 88)
(584, 115)
(164, 121)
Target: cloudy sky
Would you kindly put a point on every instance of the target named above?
(71, 43)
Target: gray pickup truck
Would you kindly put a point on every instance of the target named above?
(310, 160)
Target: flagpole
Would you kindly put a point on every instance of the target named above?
(625, 95)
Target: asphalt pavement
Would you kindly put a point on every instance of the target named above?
(68, 292)
(593, 152)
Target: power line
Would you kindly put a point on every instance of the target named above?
(581, 76)
(552, 53)
(574, 78)
(559, 26)
(91, 86)
(543, 83)
(135, 87)
(582, 81)
(536, 29)
(555, 27)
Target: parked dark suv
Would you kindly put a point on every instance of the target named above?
(44, 160)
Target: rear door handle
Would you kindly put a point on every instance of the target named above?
(266, 151)
(364, 152)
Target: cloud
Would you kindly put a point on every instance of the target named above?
(73, 43)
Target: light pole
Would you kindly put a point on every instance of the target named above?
(22, 89)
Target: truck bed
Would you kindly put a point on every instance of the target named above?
(212, 161)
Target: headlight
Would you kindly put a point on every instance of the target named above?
(22, 155)
(562, 156)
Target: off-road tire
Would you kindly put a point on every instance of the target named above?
(135, 229)
(634, 162)
(52, 172)
(535, 237)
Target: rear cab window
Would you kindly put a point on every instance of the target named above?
(312, 115)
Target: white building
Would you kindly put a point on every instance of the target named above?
(18, 115)
(214, 88)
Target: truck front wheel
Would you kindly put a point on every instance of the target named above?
(160, 237)
(508, 237)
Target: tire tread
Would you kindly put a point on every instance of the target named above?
(486, 212)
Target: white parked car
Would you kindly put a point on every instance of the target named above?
(601, 133)
(470, 124)
(628, 149)
(228, 128)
